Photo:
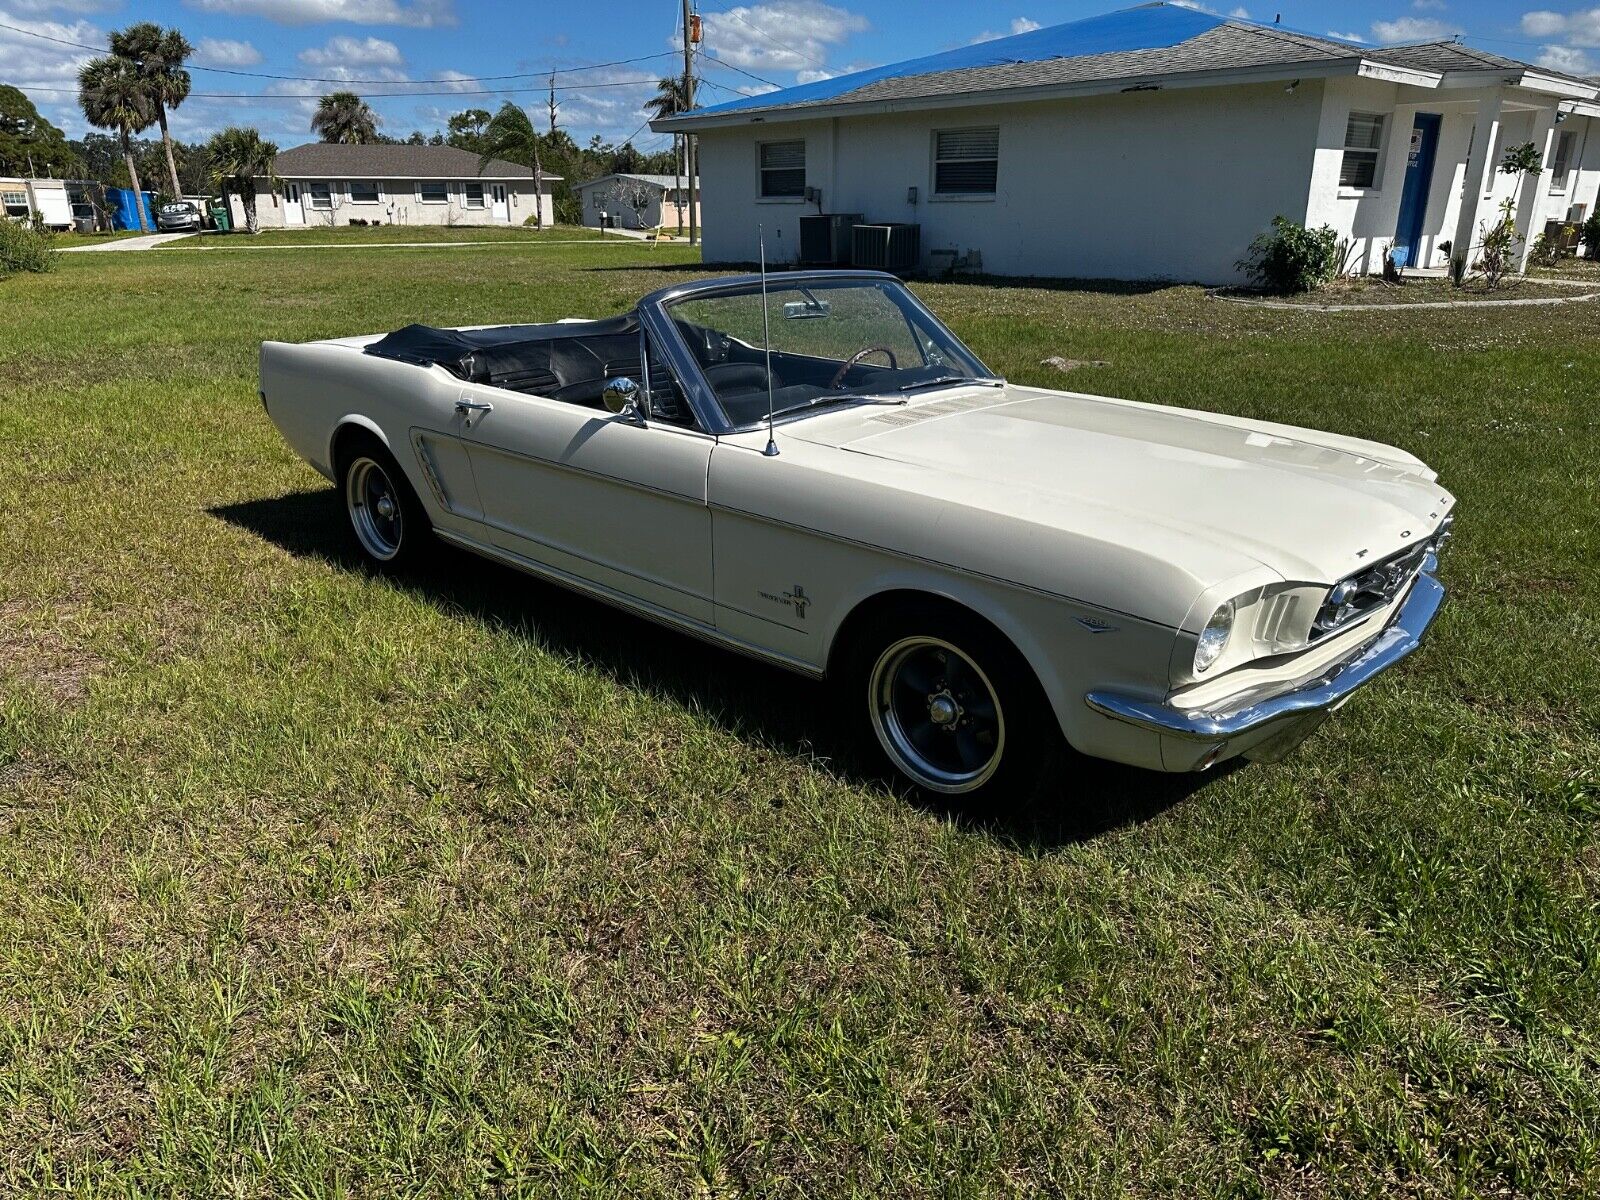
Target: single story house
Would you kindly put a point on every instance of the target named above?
(1153, 143)
(328, 183)
(608, 202)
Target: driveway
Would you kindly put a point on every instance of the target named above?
(144, 242)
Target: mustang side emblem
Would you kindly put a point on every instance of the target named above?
(796, 599)
(1095, 625)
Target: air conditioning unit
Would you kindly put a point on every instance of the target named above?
(894, 247)
(825, 238)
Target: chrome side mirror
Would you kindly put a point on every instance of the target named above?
(625, 398)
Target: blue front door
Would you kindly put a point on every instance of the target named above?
(1414, 197)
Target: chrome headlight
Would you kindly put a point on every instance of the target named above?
(1213, 638)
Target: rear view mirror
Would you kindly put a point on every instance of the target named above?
(806, 310)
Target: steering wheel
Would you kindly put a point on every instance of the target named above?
(894, 363)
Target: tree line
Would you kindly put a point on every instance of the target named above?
(135, 87)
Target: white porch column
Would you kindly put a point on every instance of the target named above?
(1479, 164)
(1535, 188)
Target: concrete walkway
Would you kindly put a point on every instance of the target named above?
(143, 242)
(1413, 306)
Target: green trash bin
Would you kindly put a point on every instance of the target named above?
(219, 218)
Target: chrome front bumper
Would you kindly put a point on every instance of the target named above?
(1322, 692)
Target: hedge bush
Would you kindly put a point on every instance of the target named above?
(1292, 258)
(24, 248)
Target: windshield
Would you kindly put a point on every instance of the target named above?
(832, 342)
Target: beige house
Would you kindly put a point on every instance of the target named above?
(327, 184)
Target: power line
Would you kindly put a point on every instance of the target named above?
(762, 32)
(747, 74)
(571, 87)
(621, 62)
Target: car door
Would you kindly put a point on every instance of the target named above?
(595, 497)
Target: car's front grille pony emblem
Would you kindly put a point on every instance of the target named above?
(1368, 590)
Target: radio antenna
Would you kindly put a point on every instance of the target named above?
(766, 338)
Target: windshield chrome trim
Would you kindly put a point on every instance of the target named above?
(653, 315)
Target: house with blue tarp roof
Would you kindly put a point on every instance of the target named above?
(1151, 143)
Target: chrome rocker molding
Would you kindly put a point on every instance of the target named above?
(1324, 691)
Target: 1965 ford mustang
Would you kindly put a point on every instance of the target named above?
(819, 473)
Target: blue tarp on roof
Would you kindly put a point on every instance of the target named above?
(1151, 27)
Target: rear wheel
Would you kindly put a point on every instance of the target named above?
(388, 520)
(952, 706)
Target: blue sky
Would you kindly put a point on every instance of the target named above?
(392, 45)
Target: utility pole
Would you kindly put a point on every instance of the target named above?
(688, 138)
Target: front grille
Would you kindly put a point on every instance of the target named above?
(1368, 590)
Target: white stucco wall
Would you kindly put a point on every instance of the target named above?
(409, 209)
(1150, 185)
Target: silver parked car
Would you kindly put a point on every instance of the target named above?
(177, 217)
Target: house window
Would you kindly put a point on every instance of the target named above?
(474, 195)
(1561, 161)
(363, 191)
(1363, 138)
(16, 203)
(433, 191)
(321, 194)
(783, 169)
(966, 162)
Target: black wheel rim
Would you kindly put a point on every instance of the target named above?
(937, 715)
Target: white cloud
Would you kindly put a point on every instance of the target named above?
(1412, 29)
(1429, 5)
(353, 52)
(1568, 60)
(1019, 25)
(1579, 28)
(419, 14)
(225, 52)
(781, 35)
(1346, 37)
(35, 65)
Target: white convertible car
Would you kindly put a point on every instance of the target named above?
(817, 472)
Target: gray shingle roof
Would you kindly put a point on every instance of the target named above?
(1227, 46)
(332, 160)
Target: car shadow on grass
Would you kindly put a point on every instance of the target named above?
(742, 695)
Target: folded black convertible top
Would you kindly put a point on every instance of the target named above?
(479, 354)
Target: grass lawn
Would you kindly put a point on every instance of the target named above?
(1570, 268)
(314, 884)
(372, 235)
(71, 238)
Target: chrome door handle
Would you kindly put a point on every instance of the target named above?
(472, 408)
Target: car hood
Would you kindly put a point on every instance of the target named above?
(1312, 507)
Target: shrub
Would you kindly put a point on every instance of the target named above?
(1292, 258)
(24, 248)
(1591, 237)
(1498, 254)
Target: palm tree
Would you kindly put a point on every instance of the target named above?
(510, 135)
(160, 55)
(114, 95)
(344, 117)
(239, 157)
(671, 98)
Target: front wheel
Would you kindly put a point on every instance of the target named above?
(953, 707)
